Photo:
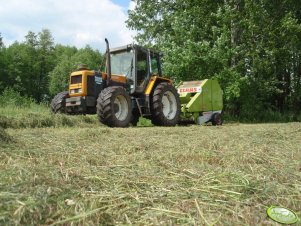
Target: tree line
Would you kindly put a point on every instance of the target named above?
(252, 47)
(38, 68)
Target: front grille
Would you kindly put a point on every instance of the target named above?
(76, 79)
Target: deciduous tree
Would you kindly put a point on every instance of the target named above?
(252, 47)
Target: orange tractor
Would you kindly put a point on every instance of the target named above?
(131, 86)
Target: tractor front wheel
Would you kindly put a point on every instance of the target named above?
(165, 105)
(58, 103)
(114, 107)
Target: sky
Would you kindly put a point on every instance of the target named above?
(71, 22)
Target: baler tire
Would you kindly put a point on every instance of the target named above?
(114, 107)
(217, 119)
(58, 103)
(165, 101)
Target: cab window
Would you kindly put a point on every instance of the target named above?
(122, 63)
(154, 65)
(142, 68)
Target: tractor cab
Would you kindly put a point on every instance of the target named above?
(137, 64)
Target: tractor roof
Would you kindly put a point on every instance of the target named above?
(132, 46)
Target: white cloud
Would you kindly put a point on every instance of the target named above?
(132, 5)
(71, 22)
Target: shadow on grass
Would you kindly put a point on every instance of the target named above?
(4, 137)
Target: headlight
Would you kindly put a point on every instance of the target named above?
(73, 91)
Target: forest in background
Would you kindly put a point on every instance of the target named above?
(252, 47)
(38, 68)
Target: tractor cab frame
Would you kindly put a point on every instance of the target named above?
(137, 64)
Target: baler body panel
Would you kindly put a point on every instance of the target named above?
(198, 97)
(217, 96)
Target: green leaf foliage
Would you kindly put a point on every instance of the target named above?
(252, 47)
(39, 68)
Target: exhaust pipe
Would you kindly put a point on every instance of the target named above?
(108, 62)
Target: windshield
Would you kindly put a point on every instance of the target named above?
(122, 63)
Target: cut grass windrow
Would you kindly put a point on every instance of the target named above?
(194, 175)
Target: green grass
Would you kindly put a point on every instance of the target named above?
(17, 112)
(88, 174)
(39, 116)
(71, 170)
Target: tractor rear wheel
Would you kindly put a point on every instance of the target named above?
(217, 119)
(165, 105)
(58, 103)
(114, 107)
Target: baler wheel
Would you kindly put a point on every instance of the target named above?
(58, 103)
(165, 105)
(217, 119)
(114, 107)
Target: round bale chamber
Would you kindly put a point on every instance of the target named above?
(200, 100)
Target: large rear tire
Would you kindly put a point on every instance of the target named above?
(165, 105)
(58, 103)
(114, 107)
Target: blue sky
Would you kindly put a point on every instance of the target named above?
(123, 3)
(71, 22)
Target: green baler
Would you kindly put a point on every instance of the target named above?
(201, 101)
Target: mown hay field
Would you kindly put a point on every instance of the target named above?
(89, 174)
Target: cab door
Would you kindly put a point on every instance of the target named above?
(142, 70)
